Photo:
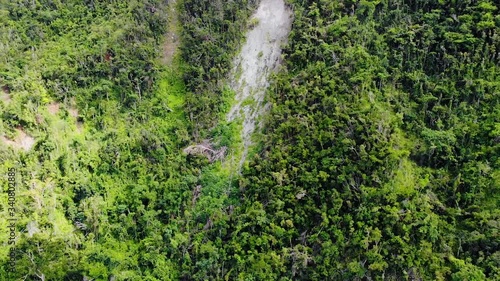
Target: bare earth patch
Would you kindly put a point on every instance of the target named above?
(172, 39)
(21, 141)
(5, 98)
(73, 112)
(53, 108)
(5, 94)
(79, 126)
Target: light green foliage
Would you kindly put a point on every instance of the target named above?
(378, 159)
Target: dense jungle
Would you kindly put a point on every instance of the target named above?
(376, 155)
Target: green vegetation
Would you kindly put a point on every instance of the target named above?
(212, 31)
(253, 23)
(94, 203)
(381, 151)
(379, 159)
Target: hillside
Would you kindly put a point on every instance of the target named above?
(250, 140)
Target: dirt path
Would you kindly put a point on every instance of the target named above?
(172, 38)
(259, 56)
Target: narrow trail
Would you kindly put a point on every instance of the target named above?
(258, 58)
(172, 38)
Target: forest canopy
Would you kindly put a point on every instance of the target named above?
(379, 158)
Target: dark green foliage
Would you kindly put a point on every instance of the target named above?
(379, 158)
(381, 151)
(212, 31)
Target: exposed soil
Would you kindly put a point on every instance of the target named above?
(5, 98)
(53, 108)
(5, 94)
(79, 126)
(259, 56)
(21, 141)
(73, 112)
(172, 39)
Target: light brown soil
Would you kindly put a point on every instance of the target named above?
(5, 98)
(21, 141)
(5, 94)
(79, 126)
(73, 112)
(53, 108)
(172, 39)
